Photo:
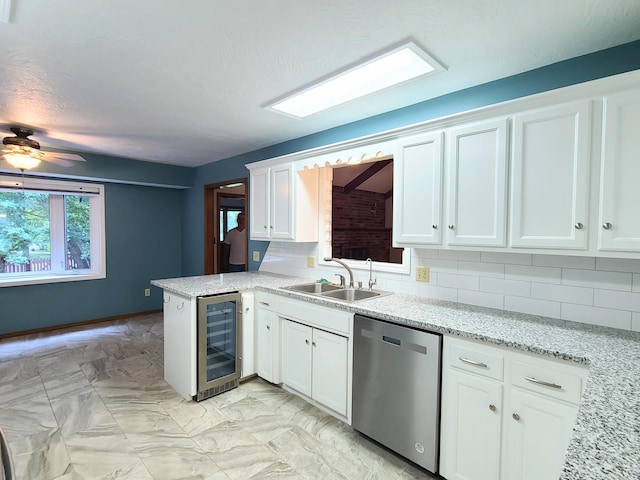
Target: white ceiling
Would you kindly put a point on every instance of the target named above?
(184, 83)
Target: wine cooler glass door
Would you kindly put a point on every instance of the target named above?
(219, 343)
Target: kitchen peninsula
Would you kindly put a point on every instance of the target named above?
(606, 439)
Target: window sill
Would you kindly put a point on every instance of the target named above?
(52, 278)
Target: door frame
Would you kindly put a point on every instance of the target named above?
(212, 192)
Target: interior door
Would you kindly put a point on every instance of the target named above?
(213, 201)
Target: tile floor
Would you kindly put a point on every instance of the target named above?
(91, 403)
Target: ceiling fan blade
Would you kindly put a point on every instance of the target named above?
(51, 156)
(59, 161)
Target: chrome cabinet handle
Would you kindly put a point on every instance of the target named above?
(265, 304)
(180, 307)
(450, 227)
(492, 407)
(435, 227)
(579, 226)
(542, 382)
(515, 416)
(607, 226)
(473, 362)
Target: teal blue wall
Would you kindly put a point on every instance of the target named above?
(608, 62)
(144, 241)
(157, 232)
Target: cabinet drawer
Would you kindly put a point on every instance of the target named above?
(562, 382)
(477, 360)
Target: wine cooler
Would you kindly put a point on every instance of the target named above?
(219, 344)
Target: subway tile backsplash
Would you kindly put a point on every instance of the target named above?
(599, 291)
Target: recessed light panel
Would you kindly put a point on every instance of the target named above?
(390, 69)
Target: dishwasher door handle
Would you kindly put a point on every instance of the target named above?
(391, 340)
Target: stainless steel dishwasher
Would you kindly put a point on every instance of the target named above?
(396, 388)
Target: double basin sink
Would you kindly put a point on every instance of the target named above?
(336, 293)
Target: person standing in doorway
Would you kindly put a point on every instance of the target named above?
(236, 238)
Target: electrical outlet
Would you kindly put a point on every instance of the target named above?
(256, 256)
(147, 292)
(422, 274)
(311, 262)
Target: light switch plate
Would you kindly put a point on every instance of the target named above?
(256, 256)
(422, 274)
(311, 262)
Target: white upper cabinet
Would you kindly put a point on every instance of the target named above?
(619, 220)
(284, 204)
(477, 165)
(417, 191)
(259, 220)
(551, 153)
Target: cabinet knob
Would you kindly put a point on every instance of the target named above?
(313, 343)
(268, 327)
(307, 342)
(450, 227)
(515, 416)
(271, 226)
(607, 226)
(492, 407)
(435, 227)
(579, 226)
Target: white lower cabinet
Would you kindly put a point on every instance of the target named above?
(267, 337)
(472, 440)
(180, 352)
(505, 414)
(315, 363)
(538, 431)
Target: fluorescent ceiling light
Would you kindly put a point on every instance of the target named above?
(392, 68)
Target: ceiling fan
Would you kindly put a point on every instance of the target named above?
(24, 153)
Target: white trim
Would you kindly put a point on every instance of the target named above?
(5, 11)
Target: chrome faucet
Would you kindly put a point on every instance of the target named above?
(372, 282)
(329, 259)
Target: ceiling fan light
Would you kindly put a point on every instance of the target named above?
(21, 161)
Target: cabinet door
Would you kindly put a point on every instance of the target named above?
(417, 191)
(259, 204)
(471, 426)
(281, 225)
(248, 335)
(478, 184)
(619, 227)
(180, 355)
(296, 356)
(264, 344)
(538, 432)
(329, 384)
(550, 177)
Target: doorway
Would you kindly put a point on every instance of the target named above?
(223, 203)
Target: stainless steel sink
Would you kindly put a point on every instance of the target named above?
(313, 287)
(351, 294)
(335, 292)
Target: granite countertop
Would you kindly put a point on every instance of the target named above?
(606, 438)
(204, 285)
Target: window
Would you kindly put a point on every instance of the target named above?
(50, 231)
